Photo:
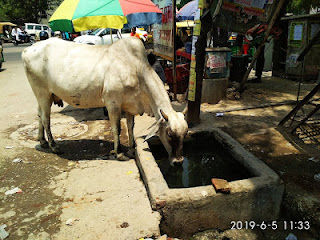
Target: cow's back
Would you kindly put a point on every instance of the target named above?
(84, 75)
(71, 71)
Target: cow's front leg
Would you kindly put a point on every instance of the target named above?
(130, 125)
(115, 116)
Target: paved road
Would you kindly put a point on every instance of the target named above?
(16, 98)
(106, 197)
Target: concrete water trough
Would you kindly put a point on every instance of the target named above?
(187, 209)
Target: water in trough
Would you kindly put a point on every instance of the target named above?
(204, 159)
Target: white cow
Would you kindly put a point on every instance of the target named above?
(117, 76)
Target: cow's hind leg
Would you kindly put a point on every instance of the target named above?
(41, 138)
(130, 125)
(115, 116)
(44, 115)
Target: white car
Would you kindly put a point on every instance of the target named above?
(34, 29)
(102, 36)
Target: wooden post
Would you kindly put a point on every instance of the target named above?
(254, 59)
(193, 116)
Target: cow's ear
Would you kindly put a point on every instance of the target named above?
(153, 130)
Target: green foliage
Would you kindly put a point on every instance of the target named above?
(25, 10)
(299, 7)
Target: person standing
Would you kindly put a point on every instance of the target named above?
(259, 64)
(257, 33)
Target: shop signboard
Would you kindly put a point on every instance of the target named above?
(241, 15)
(249, 7)
(162, 33)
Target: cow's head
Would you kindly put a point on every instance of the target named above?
(171, 129)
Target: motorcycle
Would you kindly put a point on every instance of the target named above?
(23, 38)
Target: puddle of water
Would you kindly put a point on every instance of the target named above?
(204, 159)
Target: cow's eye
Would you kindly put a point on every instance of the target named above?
(169, 133)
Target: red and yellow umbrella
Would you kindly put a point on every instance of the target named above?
(82, 15)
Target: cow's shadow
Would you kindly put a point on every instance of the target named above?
(84, 114)
(85, 149)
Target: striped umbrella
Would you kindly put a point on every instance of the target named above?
(82, 15)
(188, 11)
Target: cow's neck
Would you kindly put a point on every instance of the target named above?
(157, 94)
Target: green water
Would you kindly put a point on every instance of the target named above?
(203, 160)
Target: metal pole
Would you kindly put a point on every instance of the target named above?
(174, 63)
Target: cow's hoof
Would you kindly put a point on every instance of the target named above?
(131, 153)
(122, 157)
(44, 144)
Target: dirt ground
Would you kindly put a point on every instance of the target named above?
(295, 157)
(38, 209)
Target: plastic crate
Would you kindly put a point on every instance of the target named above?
(182, 72)
(182, 77)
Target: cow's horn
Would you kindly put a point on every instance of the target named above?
(165, 116)
(185, 110)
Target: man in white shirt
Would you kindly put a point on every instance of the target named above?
(20, 34)
(14, 33)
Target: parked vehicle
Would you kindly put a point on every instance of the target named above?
(34, 29)
(5, 31)
(1, 55)
(102, 36)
